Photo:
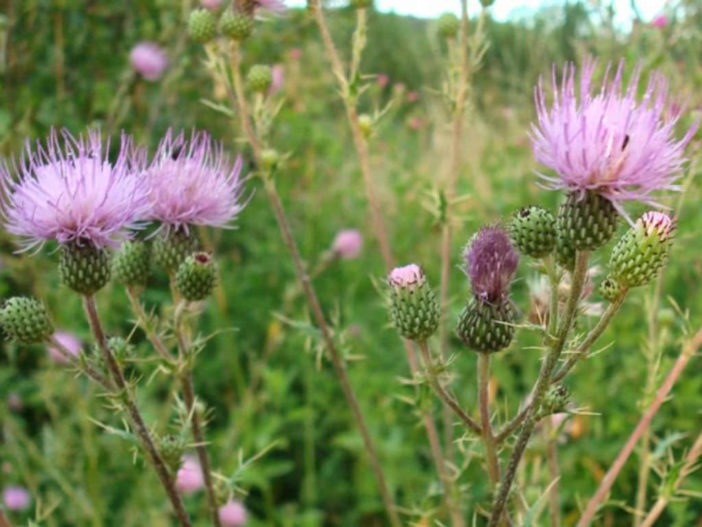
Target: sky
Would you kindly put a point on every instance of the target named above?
(502, 9)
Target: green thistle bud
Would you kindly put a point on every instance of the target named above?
(222, 491)
(587, 220)
(361, 4)
(259, 78)
(269, 158)
(84, 267)
(487, 327)
(196, 277)
(533, 231)
(565, 252)
(202, 25)
(448, 25)
(643, 250)
(171, 448)
(413, 306)
(555, 401)
(237, 26)
(610, 289)
(119, 347)
(171, 247)
(366, 124)
(25, 320)
(132, 263)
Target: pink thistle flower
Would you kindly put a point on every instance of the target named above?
(609, 141)
(347, 244)
(70, 343)
(415, 123)
(149, 60)
(383, 80)
(296, 53)
(491, 261)
(233, 514)
(413, 96)
(278, 75)
(211, 4)
(407, 277)
(16, 498)
(659, 21)
(192, 182)
(189, 478)
(69, 191)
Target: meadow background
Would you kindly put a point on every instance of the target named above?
(265, 379)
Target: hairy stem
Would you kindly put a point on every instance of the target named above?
(137, 420)
(554, 473)
(542, 384)
(143, 321)
(493, 467)
(606, 484)
(81, 365)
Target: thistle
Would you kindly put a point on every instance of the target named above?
(236, 25)
(448, 25)
(196, 277)
(259, 78)
(25, 320)
(413, 305)
(202, 25)
(533, 231)
(132, 263)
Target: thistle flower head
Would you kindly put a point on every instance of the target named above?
(192, 182)
(347, 244)
(68, 190)
(149, 60)
(491, 262)
(16, 498)
(408, 277)
(189, 478)
(607, 139)
(232, 514)
(658, 223)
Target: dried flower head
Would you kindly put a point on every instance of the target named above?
(149, 60)
(607, 140)
(69, 191)
(491, 262)
(192, 182)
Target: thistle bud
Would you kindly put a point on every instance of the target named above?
(643, 250)
(555, 401)
(270, 158)
(84, 267)
(610, 289)
(237, 26)
(448, 25)
(171, 247)
(171, 448)
(119, 348)
(132, 263)
(196, 277)
(260, 78)
(533, 231)
(413, 306)
(25, 320)
(366, 124)
(361, 4)
(487, 327)
(587, 220)
(202, 25)
(565, 251)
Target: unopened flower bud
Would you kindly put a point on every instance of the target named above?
(366, 124)
(232, 514)
(171, 448)
(448, 25)
(555, 401)
(643, 250)
(487, 327)
(171, 247)
(533, 231)
(25, 320)
(196, 277)
(84, 267)
(413, 306)
(132, 263)
(270, 158)
(587, 220)
(260, 78)
(236, 25)
(202, 25)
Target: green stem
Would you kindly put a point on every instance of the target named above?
(493, 467)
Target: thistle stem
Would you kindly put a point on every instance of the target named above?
(554, 473)
(542, 384)
(86, 368)
(143, 321)
(493, 467)
(137, 420)
(661, 395)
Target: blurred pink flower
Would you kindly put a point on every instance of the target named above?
(296, 53)
(189, 478)
(149, 60)
(659, 21)
(275, 6)
(347, 244)
(416, 123)
(383, 80)
(412, 96)
(232, 514)
(278, 74)
(16, 498)
(210, 4)
(71, 344)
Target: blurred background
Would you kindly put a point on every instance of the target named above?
(65, 63)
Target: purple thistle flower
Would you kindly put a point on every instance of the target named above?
(68, 191)
(192, 182)
(149, 60)
(608, 140)
(491, 261)
(16, 498)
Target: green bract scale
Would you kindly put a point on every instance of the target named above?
(565, 252)
(202, 25)
(196, 277)
(643, 250)
(533, 231)
(172, 246)
(610, 289)
(25, 320)
(259, 78)
(84, 267)
(235, 25)
(556, 400)
(448, 25)
(414, 308)
(587, 220)
(487, 327)
(132, 263)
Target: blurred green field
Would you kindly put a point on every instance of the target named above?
(264, 374)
